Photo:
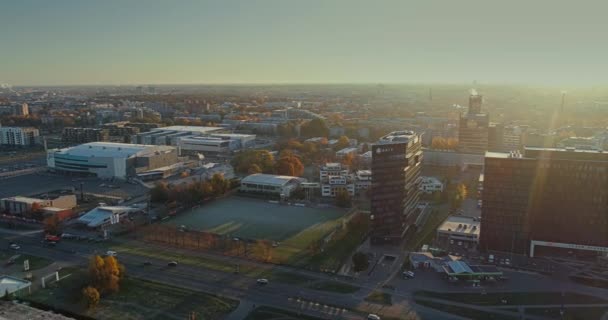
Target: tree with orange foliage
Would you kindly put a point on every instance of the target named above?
(290, 165)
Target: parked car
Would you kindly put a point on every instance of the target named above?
(111, 253)
(15, 246)
(172, 264)
(262, 281)
(372, 316)
(408, 274)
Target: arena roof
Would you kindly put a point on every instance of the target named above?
(268, 179)
(112, 149)
(12, 284)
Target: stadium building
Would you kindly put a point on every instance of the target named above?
(110, 160)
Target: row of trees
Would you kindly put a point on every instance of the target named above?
(105, 275)
(261, 250)
(262, 161)
(190, 193)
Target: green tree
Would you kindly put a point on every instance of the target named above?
(314, 128)
(343, 198)
(360, 262)
(160, 193)
(342, 143)
(91, 296)
(243, 161)
(254, 168)
(51, 225)
(219, 184)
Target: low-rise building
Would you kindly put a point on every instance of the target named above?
(18, 136)
(84, 135)
(106, 215)
(346, 151)
(270, 184)
(335, 177)
(459, 231)
(363, 180)
(430, 185)
(21, 205)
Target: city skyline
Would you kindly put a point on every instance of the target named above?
(281, 42)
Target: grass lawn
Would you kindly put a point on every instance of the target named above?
(338, 250)
(513, 298)
(258, 219)
(569, 313)
(465, 312)
(427, 232)
(188, 259)
(268, 313)
(379, 297)
(137, 299)
(333, 286)
(35, 262)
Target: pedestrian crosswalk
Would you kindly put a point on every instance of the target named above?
(321, 308)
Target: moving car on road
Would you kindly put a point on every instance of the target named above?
(262, 281)
(172, 264)
(372, 316)
(15, 246)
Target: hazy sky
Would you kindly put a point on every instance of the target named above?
(306, 41)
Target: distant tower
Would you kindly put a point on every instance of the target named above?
(430, 94)
(563, 101)
(475, 101)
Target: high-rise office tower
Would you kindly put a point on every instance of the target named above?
(396, 162)
(475, 101)
(473, 127)
(546, 197)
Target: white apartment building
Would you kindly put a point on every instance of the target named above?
(430, 185)
(18, 136)
(334, 177)
(363, 180)
(350, 150)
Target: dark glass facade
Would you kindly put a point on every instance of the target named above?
(548, 195)
(395, 181)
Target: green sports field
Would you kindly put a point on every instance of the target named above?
(259, 219)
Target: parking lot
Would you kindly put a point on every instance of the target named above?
(36, 183)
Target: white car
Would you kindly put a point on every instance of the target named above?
(15, 246)
(408, 274)
(111, 253)
(372, 316)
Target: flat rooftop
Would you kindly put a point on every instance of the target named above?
(552, 153)
(460, 224)
(199, 129)
(398, 137)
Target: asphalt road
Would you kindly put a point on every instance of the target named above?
(322, 304)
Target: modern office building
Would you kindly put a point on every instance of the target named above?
(396, 165)
(18, 136)
(545, 197)
(110, 160)
(169, 136)
(335, 177)
(84, 135)
(473, 127)
(495, 134)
